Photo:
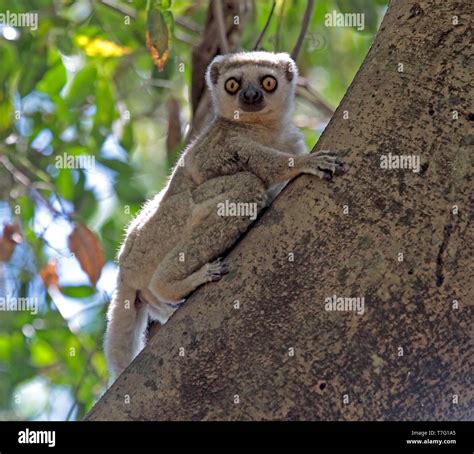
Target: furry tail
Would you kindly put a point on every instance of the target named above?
(127, 321)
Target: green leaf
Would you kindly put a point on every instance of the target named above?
(65, 184)
(78, 291)
(53, 81)
(63, 41)
(82, 86)
(42, 354)
(127, 137)
(6, 113)
(128, 191)
(99, 364)
(7, 57)
(27, 207)
(163, 4)
(86, 206)
(79, 187)
(33, 68)
(158, 32)
(105, 103)
(120, 167)
(5, 347)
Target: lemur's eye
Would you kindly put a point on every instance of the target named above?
(269, 83)
(231, 86)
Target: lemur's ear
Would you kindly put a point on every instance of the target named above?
(214, 72)
(290, 70)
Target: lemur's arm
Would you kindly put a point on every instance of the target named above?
(273, 166)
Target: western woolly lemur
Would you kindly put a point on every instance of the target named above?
(246, 154)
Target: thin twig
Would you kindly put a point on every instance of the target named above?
(77, 388)
(280, 21)
(118, 7)
(304, 90)
(219, 15)
(180, 36)
(188, 25)
(262, 34)
(21, 178)
(304, 29)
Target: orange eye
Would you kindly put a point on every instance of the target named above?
(231, 86)
(269, 83)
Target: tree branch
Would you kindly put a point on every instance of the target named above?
(120, 8)
(188, 24)
(284, 350)
(279, 25)
(304, 90)
(219, 15)
(264, 31)
(304, 29)
(21, 178)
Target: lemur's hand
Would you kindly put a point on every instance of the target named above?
(324, 164)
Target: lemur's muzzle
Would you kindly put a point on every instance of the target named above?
(251, 99)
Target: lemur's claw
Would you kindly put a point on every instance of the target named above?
(217, 269)
(176, 304)
(327, 174)
(225, 268)
(339, 168)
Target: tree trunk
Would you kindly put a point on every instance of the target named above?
(397, 238)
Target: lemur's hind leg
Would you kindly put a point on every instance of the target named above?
(192, 262)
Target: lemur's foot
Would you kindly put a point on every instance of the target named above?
(262, 200)
(327, 164)
(215, 270)
(177, 304)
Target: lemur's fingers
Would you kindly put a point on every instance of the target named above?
(327, 163)
(215, 270)
(321, 173)
(327, 154)
(324, 153)
(329, 158)
(331, 164)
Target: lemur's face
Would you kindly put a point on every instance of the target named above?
(253, 87)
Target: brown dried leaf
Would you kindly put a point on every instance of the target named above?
(88, 251)
(49, 274)
(158, 32)
(160, 61)
(10, 238)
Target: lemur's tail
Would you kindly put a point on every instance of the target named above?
(127, 321)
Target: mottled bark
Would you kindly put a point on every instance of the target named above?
(408, 356)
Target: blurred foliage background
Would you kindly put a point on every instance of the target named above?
(83, 84)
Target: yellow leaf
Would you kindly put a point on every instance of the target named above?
(98, 47)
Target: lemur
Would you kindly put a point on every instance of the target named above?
(247, 153)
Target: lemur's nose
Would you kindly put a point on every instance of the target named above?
(251, 95)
